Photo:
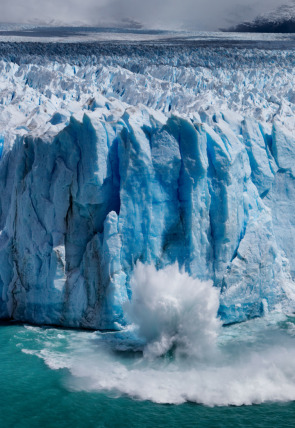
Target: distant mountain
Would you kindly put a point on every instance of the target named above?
(280, 20)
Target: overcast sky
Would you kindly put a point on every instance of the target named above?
(203, 14)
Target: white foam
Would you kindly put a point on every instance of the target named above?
(29, 352)
(251, 370)
(254, 364)
(254, 369)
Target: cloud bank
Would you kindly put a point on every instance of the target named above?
(193, 14)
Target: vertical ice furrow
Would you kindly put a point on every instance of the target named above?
(84, 205)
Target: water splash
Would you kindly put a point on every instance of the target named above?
(242, 364)
(255, 365)
(173, 310)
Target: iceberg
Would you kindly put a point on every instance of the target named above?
(103, 167)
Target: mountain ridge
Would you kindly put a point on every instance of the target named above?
(279, 20)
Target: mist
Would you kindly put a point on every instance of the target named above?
(172, 14)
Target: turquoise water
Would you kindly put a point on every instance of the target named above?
(35, 392)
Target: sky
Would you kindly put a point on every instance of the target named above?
(200, 14)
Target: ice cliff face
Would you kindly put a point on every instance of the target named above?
(103, 166)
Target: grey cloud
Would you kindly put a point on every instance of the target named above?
(198, 14)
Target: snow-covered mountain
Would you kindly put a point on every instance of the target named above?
(280, 20)
(160, 153)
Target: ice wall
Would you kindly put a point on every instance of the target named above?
(80, 208)
(158, 159)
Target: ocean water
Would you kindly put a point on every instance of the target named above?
(62, 378)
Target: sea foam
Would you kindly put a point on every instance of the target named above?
(242, 364)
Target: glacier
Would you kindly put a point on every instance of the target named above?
(158, 154)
